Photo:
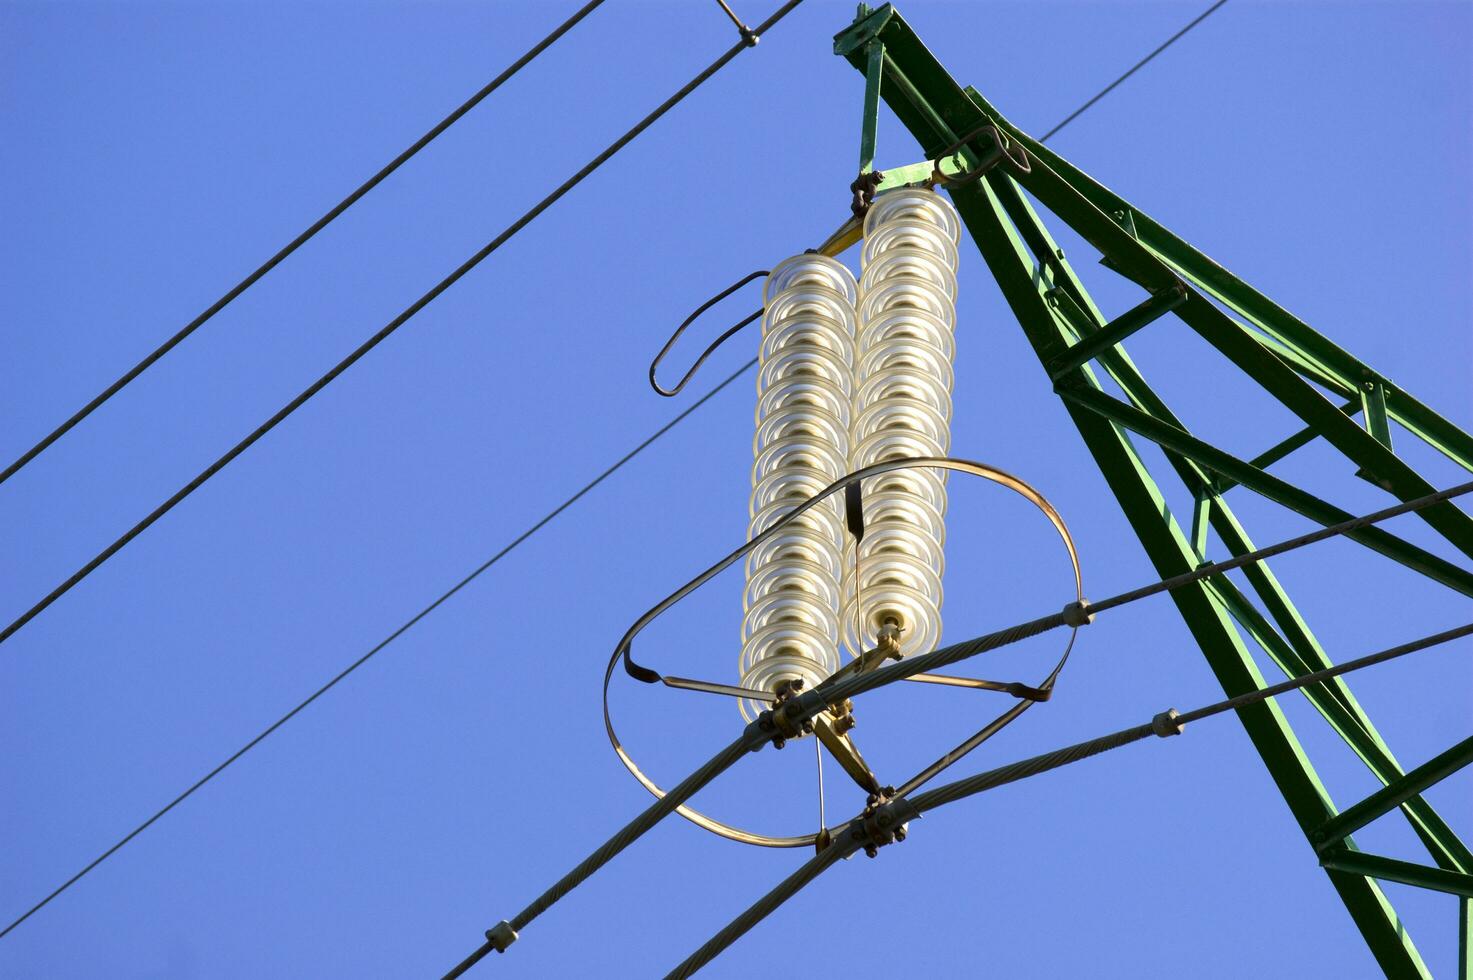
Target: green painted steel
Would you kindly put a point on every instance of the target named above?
(1283, 448)
(1114, 332)
(1465, 939)
(1393, 795)
(1183, 443)
(1074, 341)
(1404, 872)
(874, 73)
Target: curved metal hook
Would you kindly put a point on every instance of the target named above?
(731, 332)
(1002, 149)
(648, 676)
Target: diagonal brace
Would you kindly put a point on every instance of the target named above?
(1403, 872)
(1148, 311)
(1177, 440)
(1392, 795)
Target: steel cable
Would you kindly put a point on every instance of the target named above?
(750, 740)
(412, 621)
(391, 326)
(764, 906)
(811, 703)
(299, 241)
(1133, 69)
(730, 53)
(853, 835)
(353, 666)
(475, 957)
(1248, 558)
(853, 685)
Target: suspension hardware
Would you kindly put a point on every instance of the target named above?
(864, 188)
(885, 820)
(999, 150)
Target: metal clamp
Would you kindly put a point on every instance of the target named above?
(884, 821)
(792, 714)
(1001, 149)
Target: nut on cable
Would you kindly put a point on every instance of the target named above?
(501, 936)
(1166, 725)
(1077, 614)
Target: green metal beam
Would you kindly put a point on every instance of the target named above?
(1442, 843)
(1270, 486)
(1132, 259)
(873, 75)
(1303, 652)
(1280, 380)
(1373, 403)
(1465, 939)
(1057, 315)
(921, 173)
(1338, 708)
(1394, 794)
(1403, 872)
(1170, 553)
(1351, 723)
(1111, 334)
(1084, 319)
(1281, 449)
(1247, 302)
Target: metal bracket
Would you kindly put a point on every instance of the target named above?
(874, 74)
(832, 728)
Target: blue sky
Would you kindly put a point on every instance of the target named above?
(154, 153)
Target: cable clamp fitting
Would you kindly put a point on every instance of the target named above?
(792, 716)
(1166, 725)
(884, 821)
(501, 936)
(1077, 614)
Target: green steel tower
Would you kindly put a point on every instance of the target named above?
(994, 172)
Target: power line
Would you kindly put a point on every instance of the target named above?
(1133, 69)
(297, 242)
(424, 612)
(857, 833)
(467, 580)
(802, 709)
(392, 325)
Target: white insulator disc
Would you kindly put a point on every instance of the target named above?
(810, 269)
(913, 204)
